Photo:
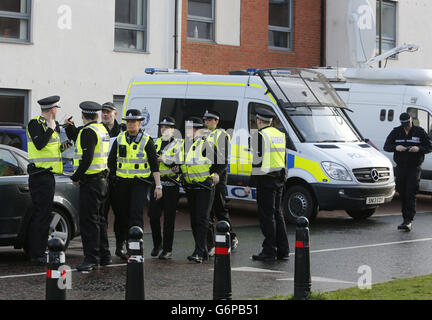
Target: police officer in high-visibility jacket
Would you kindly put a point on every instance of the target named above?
(133, 163)
(219, 138)
(169, 149)
(44, 153)
(199, 175)
(90, 174)
(269, 174)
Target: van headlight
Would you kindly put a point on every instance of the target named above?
(336, 171)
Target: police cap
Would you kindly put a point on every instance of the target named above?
(134, 114)
(211, 114)
(108, 106)
(405, 119)
(264, 115)
(167, 121)
(195, 122)
(49, 102)
(90, 107)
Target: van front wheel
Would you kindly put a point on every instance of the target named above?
(298, 201)
(361, 214)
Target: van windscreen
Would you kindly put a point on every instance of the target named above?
(293, 87)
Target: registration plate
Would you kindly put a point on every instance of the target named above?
(374, 200)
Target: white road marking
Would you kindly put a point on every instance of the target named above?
(321, 279)
(370, 245)
(251, 269)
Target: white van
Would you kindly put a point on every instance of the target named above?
(377, 97)
(330, 166)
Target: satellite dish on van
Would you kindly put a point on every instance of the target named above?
(361, 27)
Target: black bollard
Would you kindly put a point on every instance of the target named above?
(135, 265)
(302, 274)
(56, 273)
(222, 264)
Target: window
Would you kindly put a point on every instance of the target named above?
(15, 20)
(422, 119)
(131, 25)
(8, 164)
(11, 139)
(280, 24)
(382, 114)
(388, 25)
(390, 115)
(275, 122)
(201, 20)
(181, 109)
(13, 106)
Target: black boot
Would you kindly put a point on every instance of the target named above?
(119, 250)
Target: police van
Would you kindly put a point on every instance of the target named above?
(330, 166)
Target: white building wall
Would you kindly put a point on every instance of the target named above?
(81, 63)
(413, 25)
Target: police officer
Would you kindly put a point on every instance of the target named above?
(219, 138)
(199, 175)
(90, 165)
(132, 161)
(44, 152)
(409, 143)
(269, 176)
(168, 149)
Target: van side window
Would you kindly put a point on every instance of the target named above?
(181, 109)
(390, 115)
(421, 118)
(382, 114)
(276, 122)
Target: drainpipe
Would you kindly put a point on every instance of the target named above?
(323, 33)
(175, 34)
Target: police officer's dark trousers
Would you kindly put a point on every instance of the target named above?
(132, 197)
(42, 188)
(168, 205)
(111, 203)
(199, 203)
(407, 185)
(269, 198)
(218, 210)
(93, 225)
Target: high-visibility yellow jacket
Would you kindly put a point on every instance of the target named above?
(135, 163)
(48, 156)
(196, 167)
(274, 149)
(172, 153)
(100, 157)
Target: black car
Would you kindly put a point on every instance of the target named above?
(16, 205)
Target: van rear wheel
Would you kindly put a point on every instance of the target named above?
(298, 201)
(361, 214)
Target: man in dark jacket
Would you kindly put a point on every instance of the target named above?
(409, 144)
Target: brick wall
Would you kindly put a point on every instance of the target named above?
(253, 51)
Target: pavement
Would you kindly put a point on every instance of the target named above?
(343, 252)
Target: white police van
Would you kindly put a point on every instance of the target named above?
(330, 166)
(377, 97)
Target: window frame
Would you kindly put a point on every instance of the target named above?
(202, 19)
(428, 114)
(19, 93)
(387, 40)
(134, 27)
(19, 16)
(288, 30)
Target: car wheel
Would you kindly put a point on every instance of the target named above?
(298, 201)
(361, 214)
(60, 227)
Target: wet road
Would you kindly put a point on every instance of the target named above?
(339, 246)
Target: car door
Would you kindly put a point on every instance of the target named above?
(14, 195)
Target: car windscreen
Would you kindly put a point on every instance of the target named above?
(321, 124)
